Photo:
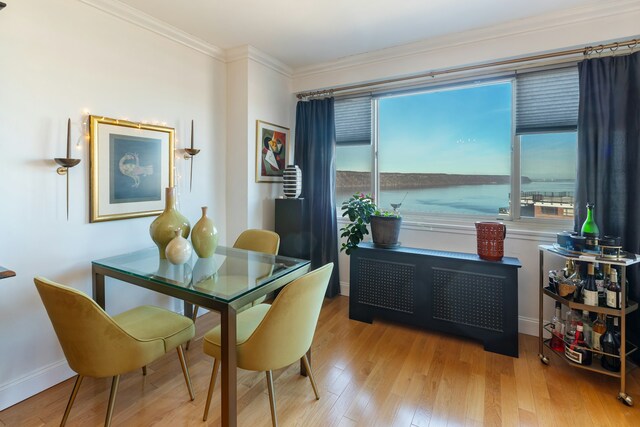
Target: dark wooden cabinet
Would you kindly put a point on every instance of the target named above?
(451, 292)
(291, 223)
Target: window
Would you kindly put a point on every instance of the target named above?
(464, 149)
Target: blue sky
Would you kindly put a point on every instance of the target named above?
(464, 131)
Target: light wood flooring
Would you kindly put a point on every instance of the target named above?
(382, 374)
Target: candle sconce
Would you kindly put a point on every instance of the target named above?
(66, 163)
(190, 153)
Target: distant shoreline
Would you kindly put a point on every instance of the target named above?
(395, 180)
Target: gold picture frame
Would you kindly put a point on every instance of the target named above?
(272, 144)
(131, 165)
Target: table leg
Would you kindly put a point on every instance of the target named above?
(98, 287)
(188, 309)
(229, 367)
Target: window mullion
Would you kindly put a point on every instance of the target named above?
(375, 175)
(516, 179)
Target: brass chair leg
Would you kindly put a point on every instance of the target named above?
(212, 383)
(307, 366)
(272, 399)
(185, 371)
(193, 317)
(74, 392)
(112, 400)
(144, 370)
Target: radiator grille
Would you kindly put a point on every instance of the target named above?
(385, 284)
(467, 298)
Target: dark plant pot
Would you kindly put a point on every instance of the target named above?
(385, 230)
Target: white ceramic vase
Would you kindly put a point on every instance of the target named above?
(178, 250)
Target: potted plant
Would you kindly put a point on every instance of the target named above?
(362, 211)
(385, 228)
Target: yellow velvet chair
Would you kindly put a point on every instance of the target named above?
(264, 241)
(98, 345)
(274, 336)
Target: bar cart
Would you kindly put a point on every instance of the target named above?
(626, 347)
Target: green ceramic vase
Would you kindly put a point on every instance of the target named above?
(162, 229)
(204, 236)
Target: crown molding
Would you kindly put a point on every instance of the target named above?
(254, 54)
(501, 31)
(143, 20)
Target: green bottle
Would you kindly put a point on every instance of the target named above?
(589, 227)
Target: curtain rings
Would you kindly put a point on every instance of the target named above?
(599, 49)
(614, 48)
(588, 51)
(635, 43)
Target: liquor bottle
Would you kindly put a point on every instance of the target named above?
(569, 327)
(557, 337)
(587, 328)
(590, 291)
(578, 351)
(568, 269)
(576, 280)
(589, 227)
(610, 344)
(613, 291)
(599, 328)
(602, 282)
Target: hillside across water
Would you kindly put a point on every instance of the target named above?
(396, 180)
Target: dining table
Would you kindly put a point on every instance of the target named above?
(225, 282)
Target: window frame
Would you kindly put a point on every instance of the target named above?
(429, 220)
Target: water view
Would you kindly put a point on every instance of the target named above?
(460, 199)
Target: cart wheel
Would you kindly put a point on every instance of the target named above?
(626, 399)
(544, 359)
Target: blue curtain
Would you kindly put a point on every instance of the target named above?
(609, 155)
(315, 149)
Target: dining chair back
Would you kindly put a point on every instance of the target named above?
(98, 345)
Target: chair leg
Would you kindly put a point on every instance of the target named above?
(193, 317)
(144, 370)
(112, 400)
(214, 374)
(272, 399)
(185, 371)
(307, 366)
(74, 392)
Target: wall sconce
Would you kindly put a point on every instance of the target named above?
(190, 154)
(66, 163)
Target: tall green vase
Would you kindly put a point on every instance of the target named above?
(204, 236)
(162, 229)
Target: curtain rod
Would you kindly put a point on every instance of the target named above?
(588, 50)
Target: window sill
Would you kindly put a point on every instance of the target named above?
(523, 229)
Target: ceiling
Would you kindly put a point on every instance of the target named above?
(305, 32)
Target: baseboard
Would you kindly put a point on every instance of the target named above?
(526, 325)
(22, 388)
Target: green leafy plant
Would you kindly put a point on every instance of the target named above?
(358, 209)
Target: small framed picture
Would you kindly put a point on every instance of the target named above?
(131, 165)
(271, 151)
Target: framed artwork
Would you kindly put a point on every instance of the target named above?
(271, 151)
(131, 165)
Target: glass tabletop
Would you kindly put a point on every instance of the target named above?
(228, 275)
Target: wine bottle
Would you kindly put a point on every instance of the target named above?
(599, 328)
(613, 291)
(589, 227)
(610, 344)
(578, 351)
(602, 283)
(590, 291)
(587, 329)
(557, 342)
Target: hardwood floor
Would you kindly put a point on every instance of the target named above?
(368, 375)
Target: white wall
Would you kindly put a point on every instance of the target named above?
(57, 58)
(587, 26)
